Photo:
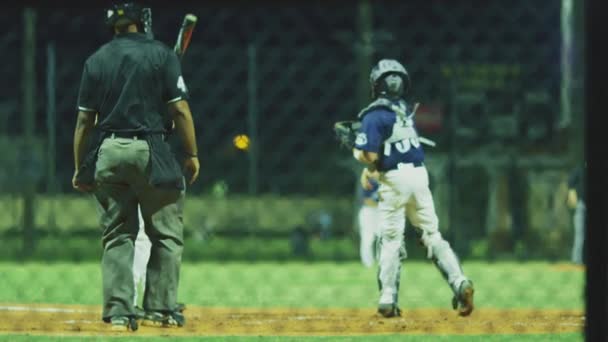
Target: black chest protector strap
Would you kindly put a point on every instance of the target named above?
(399, 108)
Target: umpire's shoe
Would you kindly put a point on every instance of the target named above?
(123, 323)
(164, 319)
(389, 310)
(139, 313)
(464, 301)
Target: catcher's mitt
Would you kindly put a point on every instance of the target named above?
(346, 132)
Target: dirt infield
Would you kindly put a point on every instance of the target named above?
(85, 320)
(564, 267)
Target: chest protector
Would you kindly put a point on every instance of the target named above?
(403, 128)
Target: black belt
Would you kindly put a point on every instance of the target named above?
(418, 164)
(131, 135)
(126, 135)
(414, 164)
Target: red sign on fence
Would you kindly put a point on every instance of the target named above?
(429, 117)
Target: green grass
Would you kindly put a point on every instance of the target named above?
(388, 338)
(305, 285)
(349, 285)
(83, 249)
(67, 212)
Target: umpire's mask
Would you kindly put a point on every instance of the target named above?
(125, 13)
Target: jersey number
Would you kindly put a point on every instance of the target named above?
(401, 146)
(181, 85)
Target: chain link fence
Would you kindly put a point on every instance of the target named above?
(499, 86)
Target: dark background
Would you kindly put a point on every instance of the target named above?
(311, 69)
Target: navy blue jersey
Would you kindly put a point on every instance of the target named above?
(381, 132)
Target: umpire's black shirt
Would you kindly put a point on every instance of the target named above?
(129, 82)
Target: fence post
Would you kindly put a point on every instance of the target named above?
(572, 76)
(365, 50)
(29, 120)
(51, 186)
(566, 68)
(252, 118)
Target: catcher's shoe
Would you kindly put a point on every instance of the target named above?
(464, 301)
(164, 319)
(180, 307)
(389, 310)
(123, 323)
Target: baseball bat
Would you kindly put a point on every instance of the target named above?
(147, 19)
(185, 34)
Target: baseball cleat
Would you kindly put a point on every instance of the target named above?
(164, 320)
(141, 313)
(123, 323)
(389, 310)
(464, 301)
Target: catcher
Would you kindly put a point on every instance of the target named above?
(387, 143)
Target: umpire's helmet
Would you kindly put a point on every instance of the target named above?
(125, 13)
(383, 81)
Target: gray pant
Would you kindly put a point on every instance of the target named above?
(579, 232)
(121, 184)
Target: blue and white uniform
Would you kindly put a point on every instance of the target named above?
(368, 225)
(392, 136)
(388, 129)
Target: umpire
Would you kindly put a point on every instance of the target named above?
(127, 88)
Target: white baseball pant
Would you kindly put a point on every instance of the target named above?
(140, 257)
(405, 192)
(368, 228)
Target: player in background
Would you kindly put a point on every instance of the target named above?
(368, 224)
(576, 201)
(140, 263)
(389, 146)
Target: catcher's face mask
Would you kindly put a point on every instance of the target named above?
(393, 86)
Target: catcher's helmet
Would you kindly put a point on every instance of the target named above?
(126, 12)
(380, 82)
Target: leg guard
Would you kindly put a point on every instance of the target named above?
(444, 259)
